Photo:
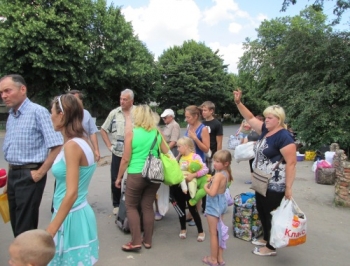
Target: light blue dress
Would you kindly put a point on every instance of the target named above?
(216, 206)
(76, 241)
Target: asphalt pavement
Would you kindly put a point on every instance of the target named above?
(328, 230)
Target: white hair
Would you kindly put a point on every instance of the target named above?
(128, 91)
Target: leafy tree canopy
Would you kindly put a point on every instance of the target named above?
(46, 42)
(299, 63)
(339, 8)
(58, 45)
(191, 74)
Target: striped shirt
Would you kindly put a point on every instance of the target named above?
(29, 134)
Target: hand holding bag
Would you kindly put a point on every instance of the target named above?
(288, 225)
(153, 168)
(4, 208)
(260, 179)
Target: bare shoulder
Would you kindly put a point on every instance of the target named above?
(220, 176)
(71, 147)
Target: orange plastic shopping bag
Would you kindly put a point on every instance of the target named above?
(4, 208)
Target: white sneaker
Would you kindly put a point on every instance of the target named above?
(115, 210)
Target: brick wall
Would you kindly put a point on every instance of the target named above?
(342, 182)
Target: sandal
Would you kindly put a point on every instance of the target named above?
(130, 248)
(257, 251)
(259, 243)
(206, 260)
(147, 246)
(201, 238)
(183, 235)
(223, 263)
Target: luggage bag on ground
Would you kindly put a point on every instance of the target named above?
(325, 176)
(246, 223)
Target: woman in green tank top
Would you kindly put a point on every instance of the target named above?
(139, 192)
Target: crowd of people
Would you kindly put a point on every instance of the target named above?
(66, 142)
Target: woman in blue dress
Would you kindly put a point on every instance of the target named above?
(73, 225)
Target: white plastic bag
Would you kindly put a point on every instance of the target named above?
(233, 142)
(288, 225)
(244, 152)
(329, 155)
(163, 199)
(314, 166)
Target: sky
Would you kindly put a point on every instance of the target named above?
(220, 24)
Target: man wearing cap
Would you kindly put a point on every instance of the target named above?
(30, 147)
(171, 131)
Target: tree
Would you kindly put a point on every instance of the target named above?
(339, 8)
(301, 64)
(191, 74)
(46, 42)
(318, 71)
(58, 45)
(117, 60)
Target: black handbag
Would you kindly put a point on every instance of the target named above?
(153, 168)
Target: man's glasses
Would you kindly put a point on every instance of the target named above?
(165, 117)
(60, 103)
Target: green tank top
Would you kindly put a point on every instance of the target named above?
(141, 144)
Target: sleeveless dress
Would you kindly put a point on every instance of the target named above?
(76, 241)
(199, 136)
(216, 206)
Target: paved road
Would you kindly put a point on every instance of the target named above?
(327, 241)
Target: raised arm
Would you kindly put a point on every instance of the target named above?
(255, 123)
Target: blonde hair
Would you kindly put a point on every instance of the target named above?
(224, 156)
(278, 112)
(35, 247)
(142, 116)
(186, 141)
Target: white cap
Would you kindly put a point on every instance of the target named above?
(168, 112)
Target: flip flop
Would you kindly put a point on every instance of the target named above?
(130, 248)
(205, 260)
(147, 246)
(256, 251)
(183, 235)
(201, 238)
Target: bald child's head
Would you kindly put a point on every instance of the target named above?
(32, 248)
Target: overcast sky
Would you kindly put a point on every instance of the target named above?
(220, 24)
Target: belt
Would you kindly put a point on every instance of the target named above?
(25, 166)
